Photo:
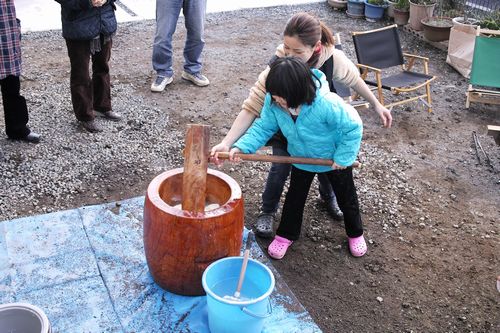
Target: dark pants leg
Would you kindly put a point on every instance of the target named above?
(347, 198)
(275, 182)
(277, 177)
(82, 86)
(293, 209)
(14, 107)
(101, 78)
(325, 188)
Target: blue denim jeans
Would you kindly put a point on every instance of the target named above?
(167, 13)
(277, 177)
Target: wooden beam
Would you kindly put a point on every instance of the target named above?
(494, 131)
(194, 179)
(484, 97)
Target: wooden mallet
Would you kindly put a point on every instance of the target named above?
(196, 157)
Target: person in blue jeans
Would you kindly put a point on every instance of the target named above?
(167, 14)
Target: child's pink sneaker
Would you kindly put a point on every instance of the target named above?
(278, 247)
(357, 246)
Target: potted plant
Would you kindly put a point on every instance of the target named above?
(462, 40)
(390, 8)
(437, 28)
(420, 9)
(463, 19)
(402, 12)
(374, 10)
(338, 4)
(355, 8)
(492, 21)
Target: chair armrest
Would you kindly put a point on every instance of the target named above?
(411, 62)
(415, 56)
(369, 68)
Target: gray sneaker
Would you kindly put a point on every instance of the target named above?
(332, 207)
(199, 79)
(160, 83)
(111, 115)
(91, 126)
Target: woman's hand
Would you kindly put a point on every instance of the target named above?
(221, 147)
(384, 114)
(335, 166)
(361, 88)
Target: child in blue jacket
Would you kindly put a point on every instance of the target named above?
(317, 124)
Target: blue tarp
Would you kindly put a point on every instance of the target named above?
(86, 269)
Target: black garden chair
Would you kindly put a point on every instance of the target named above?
(380, 50)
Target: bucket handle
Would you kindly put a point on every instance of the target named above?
(260, 316)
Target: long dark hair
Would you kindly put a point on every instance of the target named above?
(291, 79)
(309, 30)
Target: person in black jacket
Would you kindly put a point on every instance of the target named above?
(88, 27)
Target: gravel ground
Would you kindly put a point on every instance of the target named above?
(430, 208)
(70, 161)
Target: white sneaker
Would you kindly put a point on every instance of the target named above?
(199, 79)
(161, 82)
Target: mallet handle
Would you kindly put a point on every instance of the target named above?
(282, 159)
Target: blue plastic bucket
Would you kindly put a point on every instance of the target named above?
(247, 314)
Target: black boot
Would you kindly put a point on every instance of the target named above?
(264, 225)
(333, 209)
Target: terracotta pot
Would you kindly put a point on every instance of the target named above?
(390, 9)
(401, 17)
(437, 29)
(179, 245)
(418, 13)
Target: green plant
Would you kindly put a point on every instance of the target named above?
(402, 5)
(377, 2)
(492, 21)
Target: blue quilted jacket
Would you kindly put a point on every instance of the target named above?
(81, 21)
(328, 128)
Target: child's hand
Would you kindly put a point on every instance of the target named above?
(335, 166)
(233, 151)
